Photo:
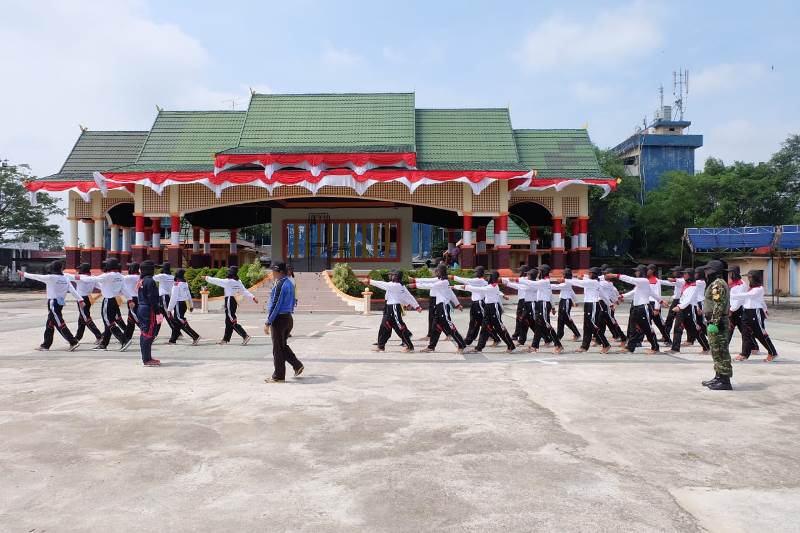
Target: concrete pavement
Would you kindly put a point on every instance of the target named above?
(392, 441)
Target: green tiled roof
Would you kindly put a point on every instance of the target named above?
(336, 122)
(515, 233)
(180, 139)
(466, 138)
(99, 150)
(558, 153)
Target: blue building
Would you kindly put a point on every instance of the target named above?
(662, 147)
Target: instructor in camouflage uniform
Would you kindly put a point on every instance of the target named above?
(716, 308)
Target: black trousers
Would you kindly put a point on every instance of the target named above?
(543, 329)
(564, 318)
(393, 320)
(669, 322)
(162, 310)
(494, 322)
(431, 315)
(592, 318)
(179, 318)
(85, 320)
(444, 324)
(231, 323)
(640, 316)
(130, 326)
(658, 323)
(112, 321)
(56, 321)
(754, 323)
(688, 320)
(610, 321)
(476, 319)
(281, 352)
(737, 322)
(146, 317)
(521, 326)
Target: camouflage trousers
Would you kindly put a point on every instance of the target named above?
(719, 349)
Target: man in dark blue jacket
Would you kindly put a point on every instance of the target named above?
(279, 324)
(147, 310)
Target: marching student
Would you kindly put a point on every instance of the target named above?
(591, 310)
(737, 289)
(176, 309)
(609, 298)
(700, 295)
(57, 286)
(477, 307)
(232, 286)
(432, 303)
(566, 301)
(655, 312)
(84, 289)
(440, 289)
(677, 287)
(165, 282)
(111, 284)
(640, 309)
(527, 296)
(397, 297)
(753, 302)
(686, 315)
(147, 313)
(279, 323)
(131, 281)
(542, 307)
(522, 325)
(492, 319)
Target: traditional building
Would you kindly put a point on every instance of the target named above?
(341, 178)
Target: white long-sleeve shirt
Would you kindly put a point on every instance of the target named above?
(539, 290)
(657, 284)
(642, 290)
(165, 282)
(591, 288)
(180, 293)
(608, 292)
(231, 287)
(700, 292)
(565, 291)
(678, 285)
(491, 292)
(396, 293)
(130, 281)
(111, 284)
(737, 291)
(439, 289)
(753, 298)
(688, 296)
(83, 286)
(57, 285)
(474, 282)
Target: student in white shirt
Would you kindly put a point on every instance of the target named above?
(476, 309)
(84, 289)
(179, 300)
(609, 298)
(527, 295)
(165, 281)
(737, 288)
(687, 318)
(566, 302)
(57, 285)
(655, 312)
(677, 287)
(700, 281)
(492, 296)
(753, 300)
(440, 289)
(591, 310)
(131, 283)
(640, 310)
(542, 329)
(521, 327)
(232, 286)
(397, 297)
(111, 284)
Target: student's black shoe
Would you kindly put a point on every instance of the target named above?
(274, 380)
(196, 341)
(299, 371)
(99, 347)
(125, 346)
(708, 382)
(723, 383)
(73, 347)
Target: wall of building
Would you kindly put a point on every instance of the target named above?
(781, 274)
(656, 160)
(403, 214)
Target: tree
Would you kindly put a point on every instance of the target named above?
(612, 217)
(21, 221)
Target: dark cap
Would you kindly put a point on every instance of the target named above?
(677, 268)
(596, 270)
(280, 266)
(714, 266)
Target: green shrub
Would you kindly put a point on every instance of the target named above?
(346, 281)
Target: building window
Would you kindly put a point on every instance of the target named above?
(356, 240)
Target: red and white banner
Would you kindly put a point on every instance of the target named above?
(358, 162)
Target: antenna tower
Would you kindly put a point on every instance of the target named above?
(680, 90)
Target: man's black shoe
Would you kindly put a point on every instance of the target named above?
(708, 382)
(723, 383)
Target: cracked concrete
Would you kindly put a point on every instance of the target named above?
(389, 442)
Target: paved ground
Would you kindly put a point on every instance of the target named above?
(390, 442)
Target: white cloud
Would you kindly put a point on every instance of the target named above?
(591, 92)
(725, 77)
(742, 140)
(608, 38)
(339, 57)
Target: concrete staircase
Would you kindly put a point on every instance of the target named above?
(313, 296)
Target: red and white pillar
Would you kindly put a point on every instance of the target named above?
(155, 240)
(99, 242)
(583, 243)
(233, 256)
(113, 250)
(174, 251)
(196, 259)
(557, 249)
(467, 248)
(88, 240)
(502, 255)
(139, 247)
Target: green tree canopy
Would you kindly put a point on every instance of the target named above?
(21, 221)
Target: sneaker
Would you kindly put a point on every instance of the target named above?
(125, 346)
(246, 340)
(99, 347)
(299, 371)
(274, 380)
(223, 342)
(196, 341)
(153, 362)
(73, 347)
(42, 349)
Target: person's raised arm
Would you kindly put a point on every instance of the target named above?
(380, 284)
(219, 282)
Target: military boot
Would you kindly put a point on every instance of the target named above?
(708, 382)
(723, 383)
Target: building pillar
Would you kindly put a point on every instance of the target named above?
(207, 247)
(502, 251)
(99, 244)
(174, 251)
(533, 257)
(557, 249)
(139, 248)
(196, 259)
(481, 252)
(125, 247)
(73, 251)
(113, 247)
(88, 240)
(583, 243)
(467, 248)
(233, 256)
(572, 255)
(155, 241)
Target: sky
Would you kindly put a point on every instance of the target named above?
(555, 64)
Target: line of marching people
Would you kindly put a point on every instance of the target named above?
(535, 289)
(152, 299)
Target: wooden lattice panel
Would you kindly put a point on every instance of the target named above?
(570, 206)
(80, 209)
(291, 191)
(545, 201)
(488, 199)
(389, 191)
(242, 194)
(153, 203)
(194, 196)
(444, 196)
(110, 202)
